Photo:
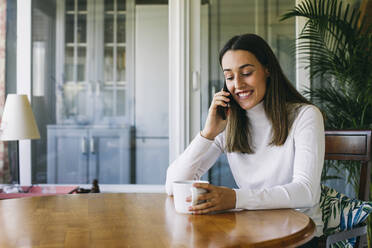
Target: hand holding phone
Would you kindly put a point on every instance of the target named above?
(222, 110)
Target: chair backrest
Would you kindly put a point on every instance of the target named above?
(352, 145)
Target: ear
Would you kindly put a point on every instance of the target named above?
(267, 72)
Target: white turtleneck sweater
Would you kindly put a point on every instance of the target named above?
(286, 176)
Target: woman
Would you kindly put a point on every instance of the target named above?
(273, 138)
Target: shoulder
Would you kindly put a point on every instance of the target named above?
(309, 111)
(306, 116)
(304, 111)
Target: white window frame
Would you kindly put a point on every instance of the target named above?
(184, 65)
(24, 39)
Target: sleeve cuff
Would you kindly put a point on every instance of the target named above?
(237, 197)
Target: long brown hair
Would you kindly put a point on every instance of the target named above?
(279, 101)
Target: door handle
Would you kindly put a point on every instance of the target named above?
(92, 146)
(84, 145)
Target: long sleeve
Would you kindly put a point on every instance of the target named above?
(303, 189)
(198, 157)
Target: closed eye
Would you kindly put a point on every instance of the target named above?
(247, 74)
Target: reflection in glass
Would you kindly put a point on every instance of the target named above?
(120, 102)
(69, 64)
(82, 29)
(109, 28)
(69, 100)
(82, 4)
(81, 66)
(121, 29)
(82, 117)
(69, 28)
(120, 67)
(121, 5)
(108, 101)
(108, 64)
(70, 5)
(109, 5)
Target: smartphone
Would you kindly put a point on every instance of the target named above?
(222, 110)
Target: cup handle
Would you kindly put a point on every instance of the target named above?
(194, 196)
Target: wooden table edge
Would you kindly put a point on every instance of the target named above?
(294, 240)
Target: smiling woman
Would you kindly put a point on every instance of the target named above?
(273, 138)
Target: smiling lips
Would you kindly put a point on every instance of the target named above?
(244, 94)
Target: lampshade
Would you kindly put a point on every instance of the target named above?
(18, 121)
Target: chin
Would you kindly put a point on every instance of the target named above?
(247, 106)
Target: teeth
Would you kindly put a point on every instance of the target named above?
(245, 94)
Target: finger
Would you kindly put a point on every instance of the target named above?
(222, 98)
(205, 197)
(205, 211)
(201, 206)
(206, 186)
(220, 103)
(222, 93)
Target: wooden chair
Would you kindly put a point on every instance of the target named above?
(351, 145)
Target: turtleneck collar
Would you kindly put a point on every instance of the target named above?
(257, 111)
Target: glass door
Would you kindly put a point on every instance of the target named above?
(93, 87)
(98, 60)
(75, 87)
(113, 85)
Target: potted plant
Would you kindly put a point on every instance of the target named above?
(337, 46)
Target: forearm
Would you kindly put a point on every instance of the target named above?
(198, 157)
(292, 195)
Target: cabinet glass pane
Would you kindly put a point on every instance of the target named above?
(109, 28)
(108, 64)
(69, 64)
(82, 29)
(81, 66)
(120, 67)
(108, 100)
(81, 100)
(82, 4)
(69, 28)
(120, 102)
(69, 100)
(109, 5)
(121, 4)
(121, 29)
(69, 5)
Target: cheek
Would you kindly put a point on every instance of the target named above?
(260, 89)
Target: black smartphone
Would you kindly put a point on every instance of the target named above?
(222, 110)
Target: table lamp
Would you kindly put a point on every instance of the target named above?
(18, 122)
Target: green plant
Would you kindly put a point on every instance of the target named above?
(337, 45)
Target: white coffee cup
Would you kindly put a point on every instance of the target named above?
(184, 189)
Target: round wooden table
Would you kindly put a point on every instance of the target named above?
(142, 220)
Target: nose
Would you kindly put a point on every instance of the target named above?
(238, 82)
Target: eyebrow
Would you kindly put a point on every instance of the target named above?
(240, 67)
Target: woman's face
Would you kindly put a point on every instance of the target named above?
(245, 77)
